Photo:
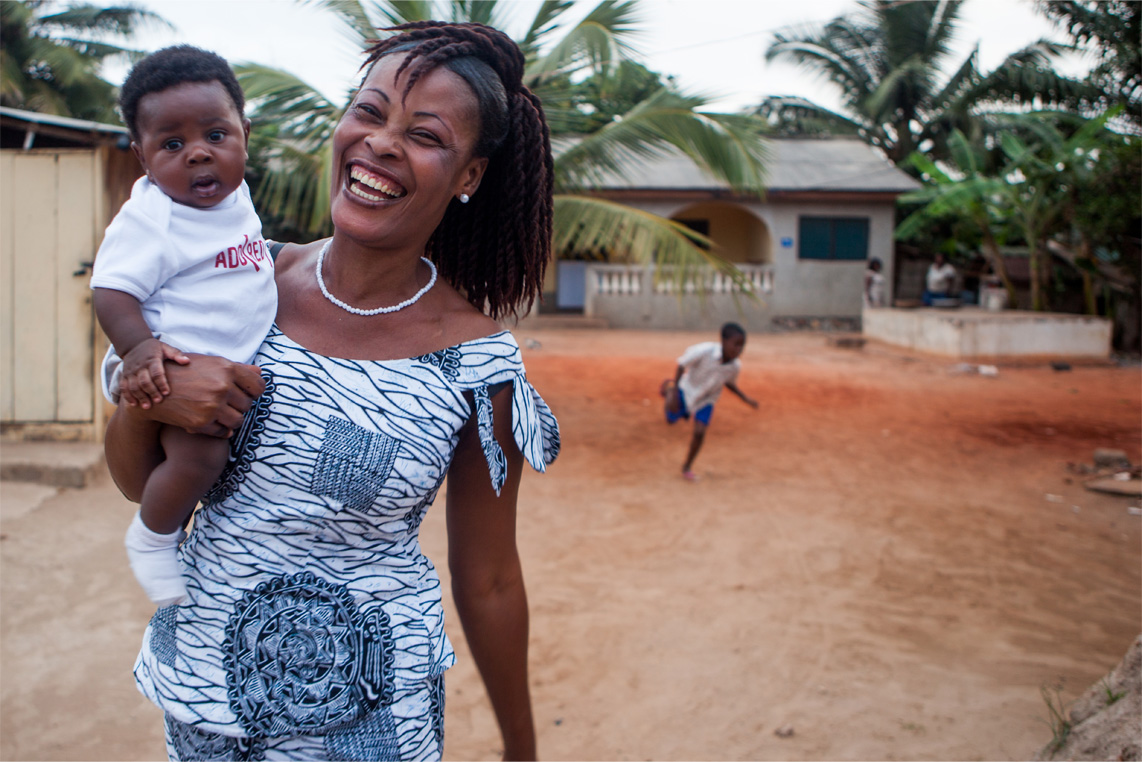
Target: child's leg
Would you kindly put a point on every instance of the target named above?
(193, 463)
(701, 423)
(696, 440)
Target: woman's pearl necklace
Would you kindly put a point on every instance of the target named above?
(379, 310)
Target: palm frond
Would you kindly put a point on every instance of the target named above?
(728, 146)
(543, 24)
(117, 20)
(590, 224)
(296, 189)
(299, 112)
(598, 42)
(357, 27)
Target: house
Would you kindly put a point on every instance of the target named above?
(61, 182)
(829, 206)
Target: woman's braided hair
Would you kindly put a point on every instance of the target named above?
(495, 248)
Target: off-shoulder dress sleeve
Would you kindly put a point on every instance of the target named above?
(483, 368)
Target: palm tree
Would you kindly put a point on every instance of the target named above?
(1049, 190)
(50, 59)
(296, 173)
(888, 61)
(1112, 29)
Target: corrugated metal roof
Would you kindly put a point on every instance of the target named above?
(81, 125)
(835, 164)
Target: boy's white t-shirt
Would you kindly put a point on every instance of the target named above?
(204, 277)
(705, 374)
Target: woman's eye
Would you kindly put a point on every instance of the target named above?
(426, 136)
(365, 108)
(172, 145)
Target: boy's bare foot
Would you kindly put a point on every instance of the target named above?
(690, 476)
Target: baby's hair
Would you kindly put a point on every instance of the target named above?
(875, 261)
(732, 329)
(173, 66)
(494, 249)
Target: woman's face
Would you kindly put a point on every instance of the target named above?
(397, 165)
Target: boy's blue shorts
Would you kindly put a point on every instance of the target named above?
(702, 415)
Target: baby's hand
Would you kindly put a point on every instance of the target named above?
(144, 381)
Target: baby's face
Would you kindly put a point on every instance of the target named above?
(192, 142)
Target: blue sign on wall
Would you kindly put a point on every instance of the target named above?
(787, 243)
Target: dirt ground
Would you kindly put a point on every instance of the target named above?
(889, 558)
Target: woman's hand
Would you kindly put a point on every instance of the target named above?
(208, 396)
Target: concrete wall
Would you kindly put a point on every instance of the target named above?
(976, 333)
(668, 312)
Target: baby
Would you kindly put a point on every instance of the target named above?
(183, 268)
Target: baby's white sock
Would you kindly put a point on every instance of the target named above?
(154, 560)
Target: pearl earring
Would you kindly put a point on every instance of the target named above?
(464, 198)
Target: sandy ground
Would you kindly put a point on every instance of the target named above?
(889, 557)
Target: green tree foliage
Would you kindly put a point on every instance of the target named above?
(1052, 191)
(888, 61)
(50, 55)
(610, 111)
(1112, 31)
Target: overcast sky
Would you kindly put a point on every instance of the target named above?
(714, 47)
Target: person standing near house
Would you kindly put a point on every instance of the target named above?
(703, 369)
(940, 282)
(874, 284)
(183, 268)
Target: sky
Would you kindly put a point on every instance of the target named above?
(712, 47)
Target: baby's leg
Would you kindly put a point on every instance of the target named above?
(193, 463)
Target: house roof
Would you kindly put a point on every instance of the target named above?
(33, 124)
(844, 165)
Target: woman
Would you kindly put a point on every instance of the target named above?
(314, 627)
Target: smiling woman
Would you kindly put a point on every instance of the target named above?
(313, 626)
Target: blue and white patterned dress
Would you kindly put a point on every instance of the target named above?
(310, 602)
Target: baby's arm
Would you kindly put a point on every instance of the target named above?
(143, 379)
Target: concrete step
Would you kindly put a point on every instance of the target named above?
(52, 464)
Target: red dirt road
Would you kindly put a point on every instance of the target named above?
(888, 557)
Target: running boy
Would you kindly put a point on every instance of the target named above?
(703, 370)
(182, 268)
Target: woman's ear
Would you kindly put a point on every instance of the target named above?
(472, 175)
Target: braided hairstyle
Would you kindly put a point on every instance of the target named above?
(495, 248)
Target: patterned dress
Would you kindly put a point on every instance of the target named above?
(311, 607)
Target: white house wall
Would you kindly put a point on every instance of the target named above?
(809, 287)
(801, 288)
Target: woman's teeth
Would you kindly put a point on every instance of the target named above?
(361, 177)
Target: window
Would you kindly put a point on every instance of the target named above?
(833, 238)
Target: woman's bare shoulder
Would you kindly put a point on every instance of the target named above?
(461, 321)
(293, 255)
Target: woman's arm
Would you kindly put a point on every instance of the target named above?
(487, 580)
(208, 396)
